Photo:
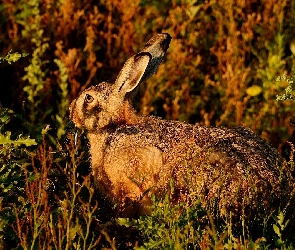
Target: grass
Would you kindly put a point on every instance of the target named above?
(49, 201)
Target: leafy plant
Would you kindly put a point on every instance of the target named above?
(171, 226)
(289, 90)
(278, 228)
(64, 101)
(14, 153)
(12, 57)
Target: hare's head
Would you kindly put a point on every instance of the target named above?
(101, 105)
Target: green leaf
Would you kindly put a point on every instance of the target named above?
(5, 139)
(25, 54)
(26, 141)
(192, 10)
(13, 57)
(276, 229)
(124, 222)
(254, 90)
(292, 48)
(280, 218)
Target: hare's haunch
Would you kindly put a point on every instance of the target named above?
(132, 154)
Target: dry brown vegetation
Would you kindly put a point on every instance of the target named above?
(219, 50)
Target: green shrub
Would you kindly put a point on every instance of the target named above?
(12, 57)
(170, 226)
(15, 153)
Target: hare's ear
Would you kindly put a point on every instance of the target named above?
(131, 73)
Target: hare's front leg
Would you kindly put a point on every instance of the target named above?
(134, 173)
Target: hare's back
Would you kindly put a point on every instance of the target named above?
(175, 139)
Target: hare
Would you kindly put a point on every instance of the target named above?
(134, 156)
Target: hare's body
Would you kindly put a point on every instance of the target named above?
(133, 154)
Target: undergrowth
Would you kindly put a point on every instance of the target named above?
(48, 201)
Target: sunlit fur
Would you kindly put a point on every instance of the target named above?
(135, 156)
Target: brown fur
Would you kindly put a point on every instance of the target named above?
(132, 154)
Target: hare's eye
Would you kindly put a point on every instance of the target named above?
(89, 98)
